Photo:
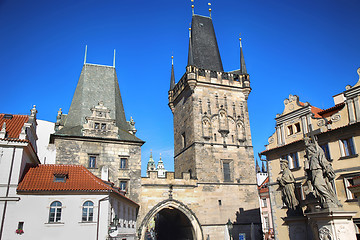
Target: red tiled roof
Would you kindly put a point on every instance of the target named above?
(13, 125)
(314, 110)
(78, 179)
(330, 111)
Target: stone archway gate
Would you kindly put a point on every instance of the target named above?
(171, 203)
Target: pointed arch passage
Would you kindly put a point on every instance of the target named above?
(171, 219)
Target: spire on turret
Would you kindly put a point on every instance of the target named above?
(190, 55)
(172, 79)
(263, 168)
(242, 60)
(257, 167)
(151, 164)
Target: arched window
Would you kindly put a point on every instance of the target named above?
(88, 211)
(55, 212)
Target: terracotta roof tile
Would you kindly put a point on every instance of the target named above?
(314, 110)
(13, 124)
(330, 111)
(78, 179)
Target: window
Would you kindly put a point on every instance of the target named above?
(266, 223)
(226, 170)
(348, 182)
(55, 212)
(20, 228)
(290, 130)
(103, 126)
(325, 148)
(263, 202)
(347, 147)
(92, 161)
(123, 163)
(123, 185)
(97, 125)
(183, 137)
(293, 160)
(88, 211)
(60, 177)
(215, 137)
(297, 128)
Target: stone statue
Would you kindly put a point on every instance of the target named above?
(320, 174)
(287, 186)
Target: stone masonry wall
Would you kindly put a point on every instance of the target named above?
(108, 153)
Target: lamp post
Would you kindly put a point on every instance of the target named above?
(230, 228)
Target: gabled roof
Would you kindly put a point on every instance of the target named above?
(203, 44)
(77, 179)
(14, 124)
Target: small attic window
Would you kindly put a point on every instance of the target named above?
(8, 116)
(60, 177)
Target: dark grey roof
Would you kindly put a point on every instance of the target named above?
(190, 54)
(204, 46)
(96, 83)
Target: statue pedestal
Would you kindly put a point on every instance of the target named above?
(298, 228)
(332, 224)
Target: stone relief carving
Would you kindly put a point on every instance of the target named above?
(325, 234)
(320, 173)
(336, 117)
(271, 140)
(321, 123)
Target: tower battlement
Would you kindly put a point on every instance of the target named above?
(154, 179)
(195, 76)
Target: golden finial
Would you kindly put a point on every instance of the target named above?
(172, 60)
(209, 9)
(192, 7)
(240, 39)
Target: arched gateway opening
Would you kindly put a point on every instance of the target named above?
(170, 219)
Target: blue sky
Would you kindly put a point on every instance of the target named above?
(307, 48)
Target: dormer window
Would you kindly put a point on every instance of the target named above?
(60, 177)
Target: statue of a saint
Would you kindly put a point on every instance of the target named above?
(287, 186)
(320, 174)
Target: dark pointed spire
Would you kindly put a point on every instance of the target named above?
(203, 44)
(242, 60)
(190, 54)
(263, 168)
(172, 79)
(257, 167)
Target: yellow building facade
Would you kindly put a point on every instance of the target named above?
(337, 130)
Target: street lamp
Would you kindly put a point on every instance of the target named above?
(230, 228)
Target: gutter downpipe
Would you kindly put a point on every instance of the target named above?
(7, 193)
(98, 218)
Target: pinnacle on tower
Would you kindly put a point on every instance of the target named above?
(257, 167)
(242, 60)
(190, 55)
(172, 79)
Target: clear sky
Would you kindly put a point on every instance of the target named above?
(310, 48)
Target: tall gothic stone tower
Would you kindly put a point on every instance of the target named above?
(95, 132)
(212, 138)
